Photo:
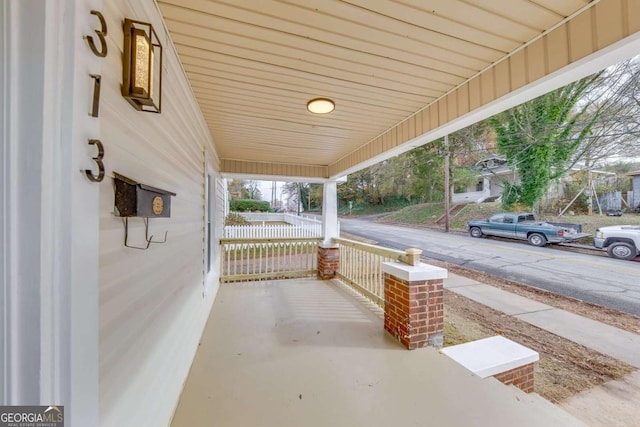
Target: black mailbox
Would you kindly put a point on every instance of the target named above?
(136, 199)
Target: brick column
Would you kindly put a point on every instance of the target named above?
(521, 377)
(413, 309)
(328, 261)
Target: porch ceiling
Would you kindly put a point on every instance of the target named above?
(397, 70)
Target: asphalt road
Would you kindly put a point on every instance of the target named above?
(600, 280)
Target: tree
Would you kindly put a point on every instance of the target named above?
(303, 196)
(417, 175)
(469, 145)
(427, 164)
(540, 136)
(237, 189)
(466, 147)
(253, 190)
(292, 191)
(617, 103)
(315, 197)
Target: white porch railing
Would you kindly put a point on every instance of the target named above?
(302, 219)
(361, 267)
(289, 226)
(280, 217)
(272, 231)
(360, 263)
(262, 216)
(261, 259)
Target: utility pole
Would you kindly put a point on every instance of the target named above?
(273, 194)
(446, 183)
(590, 193)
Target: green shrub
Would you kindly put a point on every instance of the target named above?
(235, 219)
(248, 205)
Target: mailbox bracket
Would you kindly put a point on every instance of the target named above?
(133, 199)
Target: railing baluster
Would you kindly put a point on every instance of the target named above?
(269, 258)
(235, 259)
(252, 259)
(360, 267)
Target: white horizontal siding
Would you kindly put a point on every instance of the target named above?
(151, 302)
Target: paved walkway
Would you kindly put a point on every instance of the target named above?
(611, 404)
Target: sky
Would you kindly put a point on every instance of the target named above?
(267, 186)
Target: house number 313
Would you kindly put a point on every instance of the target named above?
(101, 52)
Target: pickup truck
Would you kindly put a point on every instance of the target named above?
(620, 241)
(524, 226)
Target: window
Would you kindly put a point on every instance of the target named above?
(523, 218)
(497, 218)
(209, 202)
(480, 185)
(459, 188)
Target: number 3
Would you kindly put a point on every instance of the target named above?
(98, 160)
(101, 35)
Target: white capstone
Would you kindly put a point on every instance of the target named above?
(328, 245)
(491, 356)
(414, 273)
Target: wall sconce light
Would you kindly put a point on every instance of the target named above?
(321, 105)
(142, 66)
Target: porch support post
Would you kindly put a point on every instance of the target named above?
(413, 306)
(330, 211)
(328, 252)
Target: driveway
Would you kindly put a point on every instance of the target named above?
(608, 282)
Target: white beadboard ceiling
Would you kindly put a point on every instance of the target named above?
(254, 65)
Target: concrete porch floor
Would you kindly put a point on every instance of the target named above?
(308, 353)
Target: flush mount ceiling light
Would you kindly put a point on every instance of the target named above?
(321, 105)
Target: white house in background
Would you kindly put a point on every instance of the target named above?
(634, 199)
(492, 172)
(110, 330)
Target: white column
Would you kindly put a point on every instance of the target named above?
(48, 208)
(330, 212)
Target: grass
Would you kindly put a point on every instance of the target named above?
(425, 213)
(428, 213)
(366, 209)
(475, 211)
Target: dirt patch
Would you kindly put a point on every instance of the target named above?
(565, 368)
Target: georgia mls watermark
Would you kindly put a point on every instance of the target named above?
(31, 416)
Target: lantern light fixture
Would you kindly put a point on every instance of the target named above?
(142, 66)
(321, 105)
